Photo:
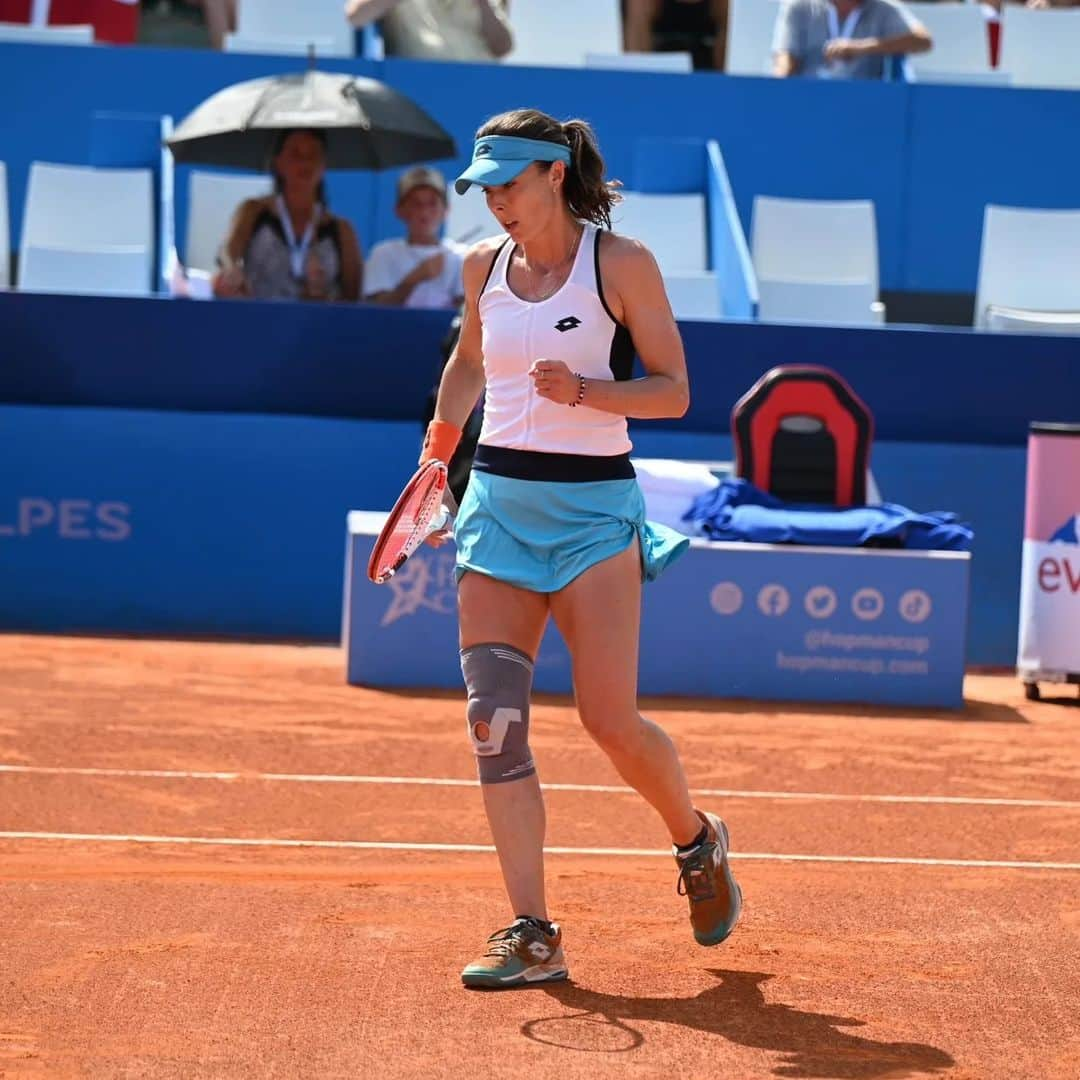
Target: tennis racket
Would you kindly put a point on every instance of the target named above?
(417, 514)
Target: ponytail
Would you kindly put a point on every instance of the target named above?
(589, 196)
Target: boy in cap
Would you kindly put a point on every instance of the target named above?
(421, 270)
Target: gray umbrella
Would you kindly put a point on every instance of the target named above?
(367, 124)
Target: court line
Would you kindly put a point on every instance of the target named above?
(605, 789)
(390, 845)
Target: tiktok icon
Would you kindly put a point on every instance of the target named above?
(915, 606)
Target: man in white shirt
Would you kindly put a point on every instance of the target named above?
(421, 270)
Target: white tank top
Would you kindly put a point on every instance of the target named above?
(573, 325)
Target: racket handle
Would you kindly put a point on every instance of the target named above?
(439, 521)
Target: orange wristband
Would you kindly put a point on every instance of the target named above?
(440, 442)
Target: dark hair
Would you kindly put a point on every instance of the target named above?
(278, 145)
(588, 195)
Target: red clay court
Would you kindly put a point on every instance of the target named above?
(221, 861)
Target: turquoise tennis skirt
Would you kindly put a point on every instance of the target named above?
(540, 535)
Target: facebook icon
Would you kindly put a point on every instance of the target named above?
(773, 600)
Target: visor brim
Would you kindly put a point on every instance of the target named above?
(489, 172)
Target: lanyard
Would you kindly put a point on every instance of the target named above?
(835, 29)
(297, 251)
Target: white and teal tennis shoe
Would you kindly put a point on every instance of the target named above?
(522, 954)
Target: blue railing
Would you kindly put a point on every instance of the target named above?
(729, 252)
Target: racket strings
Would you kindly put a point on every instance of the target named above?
(414, 518)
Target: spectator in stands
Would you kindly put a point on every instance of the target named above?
(477, 30)
(421, 270)
(698, 27)
(844, 39)
(220, 19)
(288, 246)
(1052, 3)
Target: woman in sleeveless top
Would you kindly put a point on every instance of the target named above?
(552, 522)
(288, 246)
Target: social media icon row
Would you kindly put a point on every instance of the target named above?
(821, 602)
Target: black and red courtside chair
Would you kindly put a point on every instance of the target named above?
(802, 434)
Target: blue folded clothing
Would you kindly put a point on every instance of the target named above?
(737, 510)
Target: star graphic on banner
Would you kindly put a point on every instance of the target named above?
(420, 583)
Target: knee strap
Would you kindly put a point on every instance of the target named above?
(498, 679)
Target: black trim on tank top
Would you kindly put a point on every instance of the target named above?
(491, 268)
(621, 358)
(553, 468)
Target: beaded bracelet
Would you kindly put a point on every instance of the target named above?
(580, 392)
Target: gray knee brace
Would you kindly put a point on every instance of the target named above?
(498, 679)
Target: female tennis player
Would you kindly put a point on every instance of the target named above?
(552, 521)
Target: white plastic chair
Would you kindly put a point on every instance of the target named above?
(1007, 320)
(212, 201)
(1041, 48)
(668, 62)
(751, 24)
(5, 233)
(694, 295)
(280, 46)
(468, 218)
(672, 227)
(993, 77)
(961, 45)
(561, 33)
(113, 270)
(47, 35)
(815, 240)
(299, 23)
(76, 215)
(837, 303)
(1029, 259)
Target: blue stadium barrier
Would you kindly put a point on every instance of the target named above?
(729, 252)
(137, 521)
(370, 42)
(889, 142)
(667, 165)
(937, 386)
(146, 522)
(726, 620)
(166, 208)
(978, 145)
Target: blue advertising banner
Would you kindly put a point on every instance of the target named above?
(726, 620)
(157, 523)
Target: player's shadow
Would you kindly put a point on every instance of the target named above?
(809, 1044)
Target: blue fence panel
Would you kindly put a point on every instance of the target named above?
(929, 156)
(144, 522)
(379, 363)
(816, 139)
(138, 521)
(59, 88)
(729, 251)
(976, 145)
